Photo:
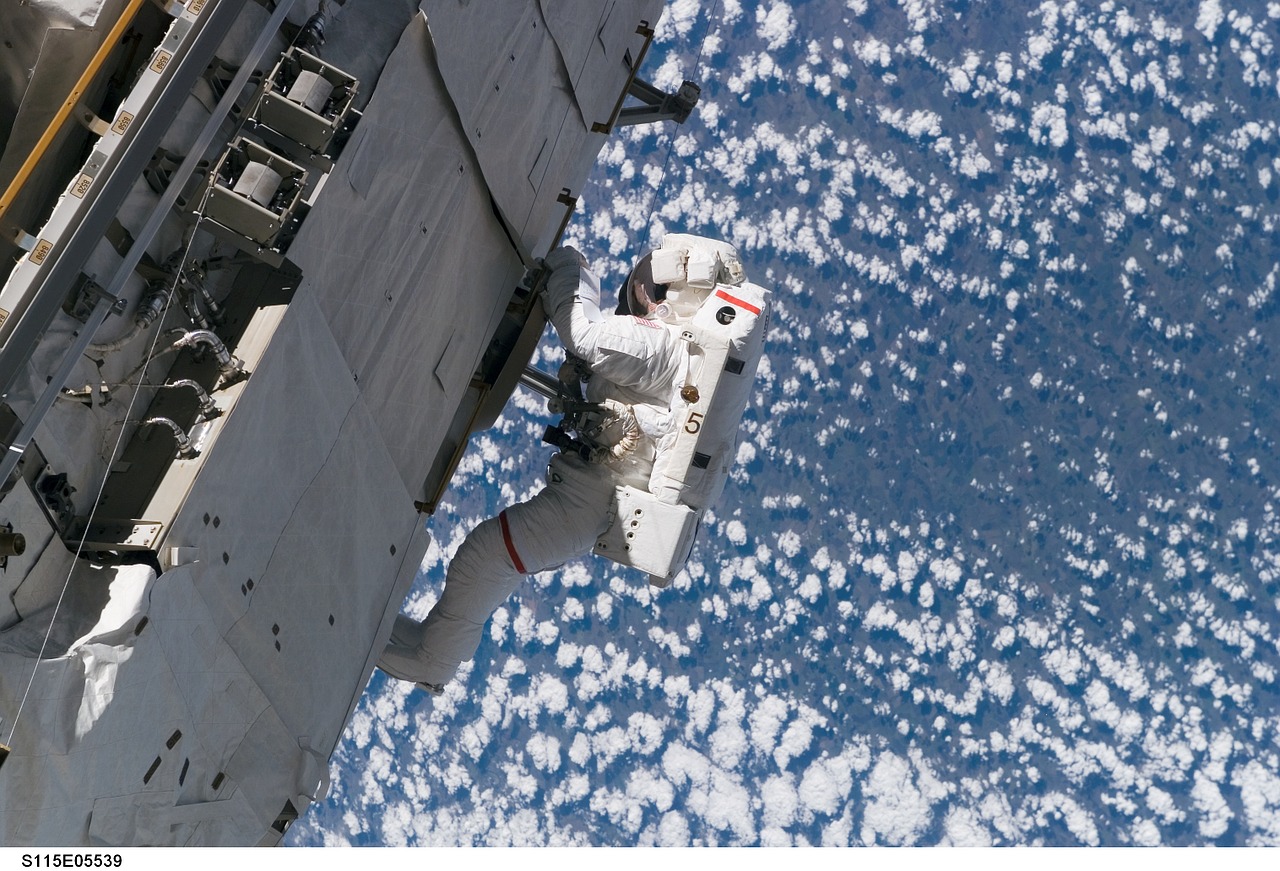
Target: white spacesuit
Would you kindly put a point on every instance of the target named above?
(639, 368)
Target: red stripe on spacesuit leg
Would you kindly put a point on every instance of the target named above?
(738, 302)
(511, 548)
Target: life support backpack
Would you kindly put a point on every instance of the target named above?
(722, 320)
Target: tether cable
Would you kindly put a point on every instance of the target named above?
(662, 176)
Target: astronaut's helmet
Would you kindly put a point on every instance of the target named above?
(640, 295)
(670, 282)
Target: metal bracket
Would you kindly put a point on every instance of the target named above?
(91, 122)
(19, 237)
(114, 534)
(219, 75)
(97, 292)
(84, 298)
(570, 202)
(655, 105)
(643, 29)
(659, 105)
(160, 170)
(54, 492)
(172, 8)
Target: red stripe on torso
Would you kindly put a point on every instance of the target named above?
(738, 302)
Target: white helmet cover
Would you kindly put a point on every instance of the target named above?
(681, 272)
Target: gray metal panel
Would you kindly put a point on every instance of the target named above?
(297, 496)
(325, 532)
(305, 492)
(405, 226)
(529, 136)
(597, 53)
(405, 258)
(103, 717)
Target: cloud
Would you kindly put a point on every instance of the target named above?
(897, 813)
(1208, 17)
(776, 25)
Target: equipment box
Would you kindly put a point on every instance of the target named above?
(254, 191)
(648, 535)
(306, 100)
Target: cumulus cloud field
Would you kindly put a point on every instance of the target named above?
(1000, 559)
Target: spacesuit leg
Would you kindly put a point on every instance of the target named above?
(561, 522)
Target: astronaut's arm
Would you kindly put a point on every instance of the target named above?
(571, 285)
(625, 350)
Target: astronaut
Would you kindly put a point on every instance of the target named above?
(637, 365)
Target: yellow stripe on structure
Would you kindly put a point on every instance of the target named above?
(99, 58)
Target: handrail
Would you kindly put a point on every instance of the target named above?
(64, 112)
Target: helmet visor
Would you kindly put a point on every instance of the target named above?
(639, 294)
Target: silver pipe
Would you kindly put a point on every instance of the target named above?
(540, 383)
(227, 364)
(208, 408)
(185, 448)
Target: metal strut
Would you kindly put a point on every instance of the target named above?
(656, 105)
(541, 383)
(659, 105)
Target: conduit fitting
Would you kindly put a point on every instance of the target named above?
(185, 449)
(208, 408)
(229, 366)
(201, 307)
(199, 293)
(150, 308)
(12, 544)
(152, 305)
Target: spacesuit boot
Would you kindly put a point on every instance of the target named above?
(401, 658)
(403, 662)
(481, 576)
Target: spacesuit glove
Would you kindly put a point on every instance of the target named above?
(565, 265)
(565, 257)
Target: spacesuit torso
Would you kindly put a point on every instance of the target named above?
(686, 376)
(633, 361)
